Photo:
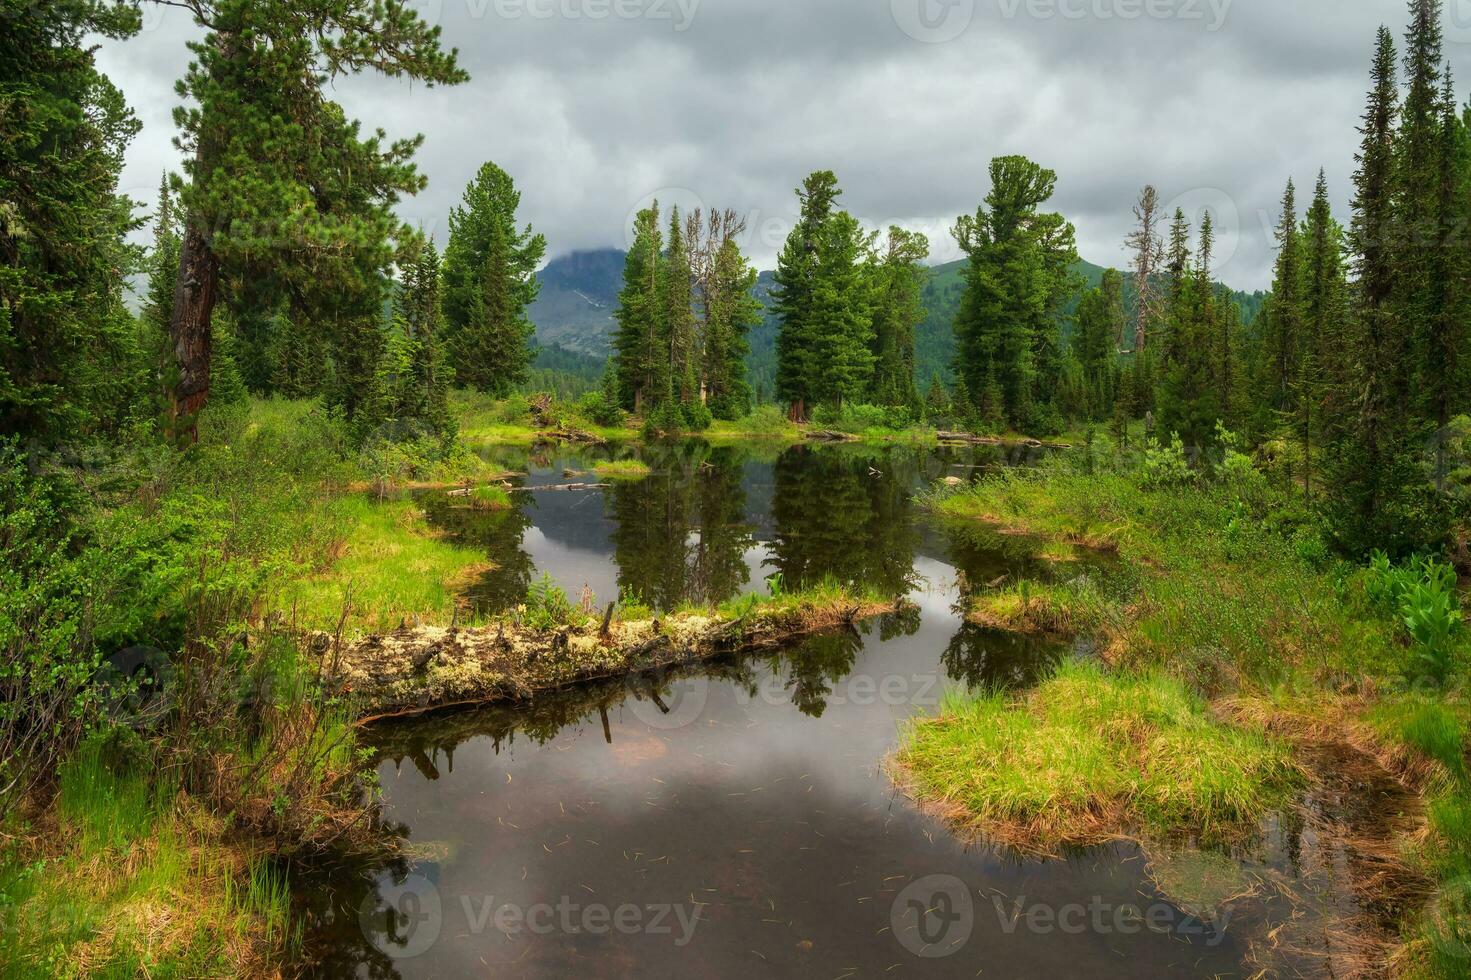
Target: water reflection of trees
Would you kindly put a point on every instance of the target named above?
(681, 534)
(845, 516)
(980, 657)
(496, 533)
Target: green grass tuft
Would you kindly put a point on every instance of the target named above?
(1089, 755)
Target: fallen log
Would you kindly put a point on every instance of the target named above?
(415, 670)
(971, 439)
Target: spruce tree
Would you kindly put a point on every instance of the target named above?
(1100, 318)
(678, 320)
(1441, 354)
(732, 312)
(642, 362)
(1283, 338)
(793, 297)
(899, 279)
(489, 275)
(841, 324)
(418, 318)
(1324, 318)
(1187, 388)
(1373, 471)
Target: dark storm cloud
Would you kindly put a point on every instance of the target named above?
(594, 106)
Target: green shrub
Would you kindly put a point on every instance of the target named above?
(697, 417)
(600, 411)
(1166, 466)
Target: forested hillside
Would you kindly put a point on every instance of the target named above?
(579, 294)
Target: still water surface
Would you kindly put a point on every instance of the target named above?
(734, 819)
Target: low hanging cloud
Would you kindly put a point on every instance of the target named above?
(598, 106)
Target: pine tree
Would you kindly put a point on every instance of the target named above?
(1324, 317)
(63, 130)
(793, 296)
(418, 318)
(678, 320)
(267, 143)
(1018, 261)
(1372, 467)
(642, 362)
(899, 279)
(489, 276)
(841, 325)
(1283, 339)
(732, 312)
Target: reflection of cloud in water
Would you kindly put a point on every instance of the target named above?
(573, 567)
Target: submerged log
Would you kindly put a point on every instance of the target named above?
(419, 669)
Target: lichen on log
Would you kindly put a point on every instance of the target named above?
(418, 669)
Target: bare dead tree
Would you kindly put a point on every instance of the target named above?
(1148, 249)
(705, 235)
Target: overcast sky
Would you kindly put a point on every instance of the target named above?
(596, 106)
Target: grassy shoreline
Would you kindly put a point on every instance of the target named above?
(1224, 590)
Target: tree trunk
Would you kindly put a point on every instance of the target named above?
(194, 302)
(798, 412)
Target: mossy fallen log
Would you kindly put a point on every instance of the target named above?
(419, 669)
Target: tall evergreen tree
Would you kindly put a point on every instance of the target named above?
(1018, 259)
(1100, 319)
(1372, 467)
(798, 268)
(489, 274)
(64, 333)
(278, 176)
(1321, 369)
(678, 320)
(841, 325)
(1188, 390)
(1440, 352)
(731, 312)
(899, 279)
(1283, 336)
(642, 362)
(418, 318)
